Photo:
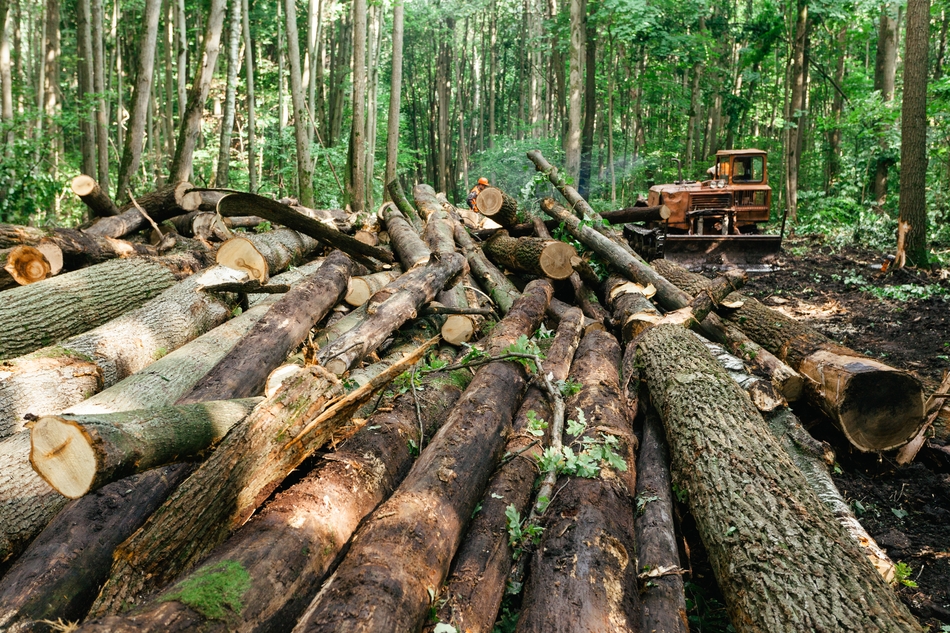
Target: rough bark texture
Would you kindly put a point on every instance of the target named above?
(502, 292)
(476, 585)
(241, 473)
(399, 197)
(160, 205)
(403, 551)
(662, 601)
(533, 255)
(82, 249)
(497, 205)
(584, 574)
(289, 548)
(632, 310)
(876, 406)
(277, 250)
(53, 378)
(205, 225)
(77, 454)
(410, 292)
(58, 576)
(241, 204)
(425, 199)
(765, 530)
(242, 372)
(405, 240)
(440, 232)
(37, 315)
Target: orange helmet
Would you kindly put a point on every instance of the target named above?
(483, 181)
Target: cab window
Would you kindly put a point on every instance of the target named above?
(748, 168)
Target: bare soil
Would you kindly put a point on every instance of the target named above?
(907, 510)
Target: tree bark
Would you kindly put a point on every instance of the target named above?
(631, 307)
(79, 454)
(261, 255)
(360, 289)
(58, 575)
(500, 207)
(324, 510)
(417, 287)
(621, 216)
(251, 115)
(243, 204)
(80, 249)
(826, 581)
(796, 106)
(533, 255)
(476, 585)
(876, 407)
(405, 240)
(160, 205)
(395, 96)
(384, 582)
(587, 553)
(885, 71)
(87, 130)
(203, 225)
(244, 370)
(99, 86)
(357, 177)
(572, 142)
(399, 197)
(227, 118)
(501, 291)
(301, 117)
(93, 196)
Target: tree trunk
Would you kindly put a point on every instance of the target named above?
(408, 294)
(395, 96)
(242, 373)
(877, 407)
(57, 577)
(203, 225)
(630, 305)
(79, 454)
(501, 291)
(78, 249)
(410, 248)
(227, 118)
(160, 205)
(360, 289)
(837, 106)
(533, 255)
(662, 600)
(621, 216)
(885, 71)
(796, 106)
(474, 589)
(384, 582)
(587, 555)
(251, 116)
(399, 197)
(181, 167)
(87, 130)
(357, 177)
(325, 509)
(590, 103)
(760, 508)
(572, 142)
(301, 117)
(261, 255)
(495, 204)
(56, 377)
(242, 204)
(913, 203)
(132, 151)
(93, 196)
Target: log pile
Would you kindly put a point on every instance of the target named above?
(267, 449)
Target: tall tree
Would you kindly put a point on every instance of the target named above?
(6, 74)
(301, 120)
(227, 118)
(99, 85)
(52, 99)
(191, 120)
(395, 95)
(796, 105)
(87, 129)
(833, 160)
(443, 100)
(251, 115)
(590, 104)
(885, 71)
(181, 65)
(357, 179)
(141, 94)
(572, 144)
(913, 177)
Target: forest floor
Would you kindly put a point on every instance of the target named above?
(903, 318)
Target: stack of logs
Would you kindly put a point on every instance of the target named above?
(325, 424)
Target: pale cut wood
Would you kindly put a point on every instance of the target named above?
(93, 196)
(277, 378)
(21, 266)
(360, 289)
(497, 205)
(53, 254)
(534, 255)
(264, 254)
(77, 454)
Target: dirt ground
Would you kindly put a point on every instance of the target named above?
(906, 510)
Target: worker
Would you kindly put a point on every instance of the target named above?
(473, 194)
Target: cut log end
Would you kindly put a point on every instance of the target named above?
(279, 376)
(53, 254)
(84, 185)
(336, 366)
(240, 254)
(458, 329)
(61, 454)
(489, 201)
(555, 260)
(881, 410)
(27, 265)
(358, 292)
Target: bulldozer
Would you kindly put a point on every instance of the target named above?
(715, 222)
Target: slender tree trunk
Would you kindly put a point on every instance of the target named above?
(87, 129)
(132, 152)
(694, 118)
(6, 75)
(182, 57)
(572, 143)
(395, 96)
(357, 177)
(52, 102)
(837, 105)
(251, 117)
(443, 98)
(301, 120)
(191, 120)
(885, 71)
(942, 45)
(493, 28)
(590, 109)
(795, 107)
(227, 120)
(913, 178)
(372, 64)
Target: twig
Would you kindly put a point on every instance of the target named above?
(415, 400)
(144, 214)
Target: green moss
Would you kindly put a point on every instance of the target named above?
(61, 352)
(213, 590)
(460, 378)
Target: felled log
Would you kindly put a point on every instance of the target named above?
(410, 248)
(496, 204)
(786, 379)
(204, 225)
(242, 204)
(37, 315)
(584, 575)
(336, 218)
(242, 221)
(58, 576)
(54, 378)
(264, 254)
(93, 196)
(440, 232)
(765, 530)
(476, 585)
(384, 583)
(288, 548)
(458, 328)
(76, 454)
(425, 199)
(533, 255)
(410, 292)
(21, 266)
(360, 289)
(501, 291)
(662, 599)
(585, 297)
(244, 370)
(876, 406)
(394, 187)
(203, 200)
(621, 216)
(160, 205)
(630, 305)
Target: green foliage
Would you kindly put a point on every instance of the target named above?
(524, 345)
(902, 574)
(536, 425)
(213, 591)
(521, 534)
(585, 456)
(705, 614)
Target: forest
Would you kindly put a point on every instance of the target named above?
(327, 101)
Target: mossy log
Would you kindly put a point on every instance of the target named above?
(533, 255)
(876, 406)
(501, 291)
(262, 255)
(766, 532)
(499, 206)
(160, 205)
(476, 585)
(394, 187)
(77, 454)
(584, 573)
(458, 328)
(22, 266)
(402, 552)
(58, 576)
(93, 196)
(405, 240)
